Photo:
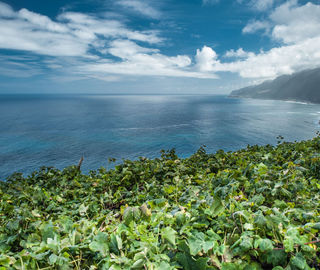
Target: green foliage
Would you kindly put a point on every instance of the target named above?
(256, 208)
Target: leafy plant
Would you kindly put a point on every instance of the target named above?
(256, 208)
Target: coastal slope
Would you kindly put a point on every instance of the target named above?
(253, 209)
(301, 86)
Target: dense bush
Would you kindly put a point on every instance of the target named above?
(257, 208)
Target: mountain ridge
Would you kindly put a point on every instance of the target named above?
(302, 86)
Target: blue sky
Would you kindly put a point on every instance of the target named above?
(153, 47)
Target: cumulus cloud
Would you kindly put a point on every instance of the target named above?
(294, 23)
(146, 65)
(278, 61)
(6, 10)
(290, 23)
(206, 58)
(296, 28)
(142, 61)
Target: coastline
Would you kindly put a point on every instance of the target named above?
(304, 102)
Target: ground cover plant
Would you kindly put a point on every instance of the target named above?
(256, 208)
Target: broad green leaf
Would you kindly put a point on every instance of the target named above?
(53, 259)
(169, 235)
(264, 244)
(164, 266)
(248, 227)
(189, 263)
(216, 207)
(47, 231)
(246, 243)
(138, 264)
(100, 244)
(229, 266)
(299, 262)
(53, 244)
(316, 226)
(198, 241)
(6, 260)
(252, 266)
(131, 214)
(288, 244)
(276, 257)
(258, 199)
(115, 243)
(262, 169)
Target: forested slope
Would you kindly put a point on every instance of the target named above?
(302, 86)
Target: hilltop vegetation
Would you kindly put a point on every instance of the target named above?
(256, 208)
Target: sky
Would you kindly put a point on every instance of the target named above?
(153, 46)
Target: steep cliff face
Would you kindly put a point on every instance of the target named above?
(301, 86)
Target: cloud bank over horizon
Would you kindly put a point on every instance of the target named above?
(107, 46)
(295, 28)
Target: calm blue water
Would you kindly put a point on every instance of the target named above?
(55, 130)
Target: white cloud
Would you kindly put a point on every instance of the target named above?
(240, 53)
(6, 10)
(83, 45)
(41, 22)
(262, 5)
(295, 23)
(296, 27)
(89, 26)
(142, 61)
(73, 34)
(258, 5)
(206, 59)
(19, 66)
(127, 49)
(278, 61)
(142, 7)
(18, 35)
(88, 46)
(145, 65)
(289, 22)
(255, 26)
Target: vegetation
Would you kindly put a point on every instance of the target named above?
(301, 86)
(257, 208)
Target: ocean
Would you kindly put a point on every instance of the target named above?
(56, 130)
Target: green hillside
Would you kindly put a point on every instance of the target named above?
(256, 208)
(301, 86)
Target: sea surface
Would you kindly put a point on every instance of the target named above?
(56, 130)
